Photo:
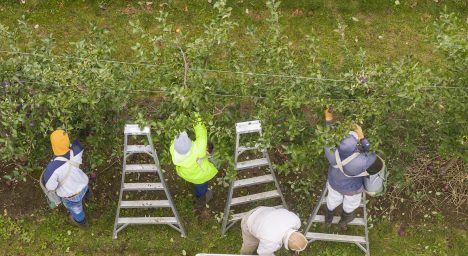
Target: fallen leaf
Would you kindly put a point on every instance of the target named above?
(297, 13)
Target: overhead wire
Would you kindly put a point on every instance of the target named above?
(215, 70)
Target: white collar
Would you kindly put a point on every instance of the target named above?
(286, 238)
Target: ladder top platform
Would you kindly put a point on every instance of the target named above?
(249, 126)
(134, 129)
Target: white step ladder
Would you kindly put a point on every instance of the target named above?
(151, 169)
(361, 241)
(246, 128)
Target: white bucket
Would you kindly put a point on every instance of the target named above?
(374, 184)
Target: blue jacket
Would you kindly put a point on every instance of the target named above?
(337, 180)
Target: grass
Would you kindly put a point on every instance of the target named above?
(386, 31)
(51, 234)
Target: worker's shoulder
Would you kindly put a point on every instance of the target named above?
(76, 147)
(54, 164)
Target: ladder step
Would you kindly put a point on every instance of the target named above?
(241, 149)
(145, 204)
(239, 216)
(254, 197)
(251, 164)
(134, 129)
(147, 220)
(253, 181)
(335, 238)
(324, 201)
(139, 149)
(248, 127)
(142, 186)
(141, 168)
(356, 221)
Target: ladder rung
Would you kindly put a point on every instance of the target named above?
(145, 204)
(241, 149)
(141, 168)
(356, 221)
(248, 127)
(335, 238)
(253, 181)
(254, 197)
(147, 220)
(134, 129)
(251, 164)
(324, 201)
(139, 149)
(239, 216)
(142, 186)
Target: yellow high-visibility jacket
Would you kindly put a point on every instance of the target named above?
(194, 166)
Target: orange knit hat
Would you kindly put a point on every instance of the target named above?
(60, 142)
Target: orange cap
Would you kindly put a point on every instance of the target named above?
(60, 142)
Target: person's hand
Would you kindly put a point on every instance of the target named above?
(329, 114)
(359, 131)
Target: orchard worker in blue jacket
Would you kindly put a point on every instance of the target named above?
(348, 165)
(64, 176)
(192, 163)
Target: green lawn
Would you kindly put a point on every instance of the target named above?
(48, 233)
(386, 31)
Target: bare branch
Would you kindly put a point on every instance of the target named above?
(186, 66)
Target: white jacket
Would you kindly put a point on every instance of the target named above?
(56, 173)
(272, 227)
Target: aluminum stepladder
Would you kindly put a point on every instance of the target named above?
(246, 128)
(361, 241)
(150, 169)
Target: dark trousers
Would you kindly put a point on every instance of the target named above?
(200, 189)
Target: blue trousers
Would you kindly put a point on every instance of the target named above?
(200, 189)
(75, 205)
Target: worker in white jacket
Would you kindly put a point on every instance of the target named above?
(267, 229)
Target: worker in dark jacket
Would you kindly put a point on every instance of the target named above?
(348, 165)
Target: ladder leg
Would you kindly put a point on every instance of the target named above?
(166, 189)
(116, 228)
(365, 219)
(224, 227)
(270, 166)
(227, 209)
(316, 209)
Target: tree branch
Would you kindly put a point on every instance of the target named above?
(186, 66)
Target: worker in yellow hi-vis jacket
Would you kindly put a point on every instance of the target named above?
(192, 163)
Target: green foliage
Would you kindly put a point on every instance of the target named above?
(401, 106)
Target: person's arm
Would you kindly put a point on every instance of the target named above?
(267, 248)
(364, 142)
(52, 183)
(201, 135)
(329, 117)
(330, 156)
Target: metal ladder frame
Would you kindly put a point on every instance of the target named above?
(238, 151)
(361, 242)
(149, 150)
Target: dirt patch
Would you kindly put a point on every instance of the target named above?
(434, 193)
(434, 190)
(21, 198)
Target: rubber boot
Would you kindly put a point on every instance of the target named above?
(89, 195)
(82, 225)
(345, 219)
(208, 196)
(328, 218)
